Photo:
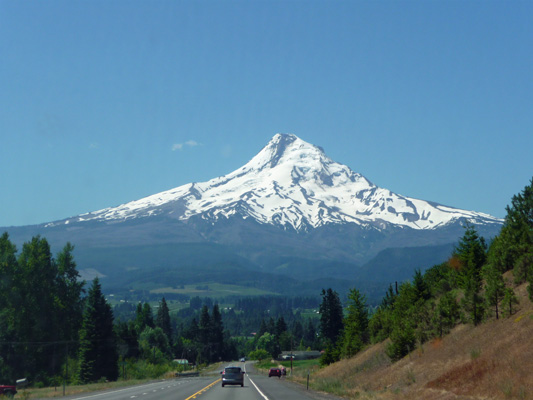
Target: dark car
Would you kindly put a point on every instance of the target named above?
(274, 372)
(232, 376)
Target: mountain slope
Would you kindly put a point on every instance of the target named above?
(292, 184)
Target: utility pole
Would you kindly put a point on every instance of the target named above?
(66, 368)
(291, 354)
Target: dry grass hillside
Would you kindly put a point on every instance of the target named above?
(491, 361)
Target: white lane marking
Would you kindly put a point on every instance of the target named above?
(115, 391)
(256, 388)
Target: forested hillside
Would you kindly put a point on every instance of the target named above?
(461, 328)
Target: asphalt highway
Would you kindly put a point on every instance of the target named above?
(256, 387)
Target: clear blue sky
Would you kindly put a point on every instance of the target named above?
(104, 102)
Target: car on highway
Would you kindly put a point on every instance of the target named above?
(232, 376)
(274, 372)
(8, 391)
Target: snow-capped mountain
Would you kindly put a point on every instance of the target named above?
(292, 184)
(290, 220)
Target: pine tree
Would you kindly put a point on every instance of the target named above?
(420, 287)
(355, 334)
(297, 330)
(388, 301)
(216, 334)
(204, 336)
(262, 329)
(70, 289)
(515, 247)
(310, 333)
(494, 288)
(331, 316)
(509, 299)
(37, 315)
(446, 314)
(9, 299)
(98, 353)
(281, 326)
(471, 253)
(163, 319)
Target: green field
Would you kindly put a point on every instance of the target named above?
(213, 290)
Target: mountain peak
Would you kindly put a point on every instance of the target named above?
(284, 146)
(278, 145)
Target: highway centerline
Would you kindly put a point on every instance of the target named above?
(203, 390)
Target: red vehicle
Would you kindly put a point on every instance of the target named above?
(8, 390)
(274, 372)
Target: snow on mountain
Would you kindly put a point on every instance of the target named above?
(291, 183)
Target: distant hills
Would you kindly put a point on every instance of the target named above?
(290, 212)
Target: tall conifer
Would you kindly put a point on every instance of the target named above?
(98, 353)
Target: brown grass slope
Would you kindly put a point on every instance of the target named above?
(491, 361)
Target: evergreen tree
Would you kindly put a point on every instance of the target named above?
(380, 324)
(147, 316)
(204, 336)
(297, 330)
(310, 333)
(191, 333)
(271, 326)
(494, 287)
(403, 319)
(390, 296)
(262, 329)
(163, 319)
(402, 341)
(281, 326)
(216, 334)
(39, 302)
(127, 339)
(471, 253)
(70, 290)
(420, 287)
(98, 353)
(445, 315)
(514, 244)
(331, 316)
(509, 299)
(10, 294)
(355, 334)
(37, 315)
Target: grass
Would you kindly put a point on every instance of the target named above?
(214, 290)
(493, 360)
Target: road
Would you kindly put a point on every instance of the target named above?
(256, 387)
